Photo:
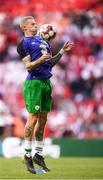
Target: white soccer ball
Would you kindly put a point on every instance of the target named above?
(47, 31)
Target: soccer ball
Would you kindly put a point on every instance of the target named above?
(47, 31)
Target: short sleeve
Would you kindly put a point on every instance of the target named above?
(22, 49)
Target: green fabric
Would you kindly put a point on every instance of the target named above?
(28, 150)
(37, 95)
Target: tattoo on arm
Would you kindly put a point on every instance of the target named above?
(55, 59)
(28, 132)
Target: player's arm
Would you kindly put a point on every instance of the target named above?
(66, 48)
(31, 65)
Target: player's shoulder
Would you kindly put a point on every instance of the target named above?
(20, 45)
(25, 43)
(20, 49)
(28, 40)
(38, 38)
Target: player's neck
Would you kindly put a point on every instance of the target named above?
(28, 34)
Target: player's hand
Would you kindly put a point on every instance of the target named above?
(46, 57)
(68, 46)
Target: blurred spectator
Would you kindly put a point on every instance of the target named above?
(18, 127)
(3, 39)
(5, 120)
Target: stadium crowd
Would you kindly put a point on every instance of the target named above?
(77, 79)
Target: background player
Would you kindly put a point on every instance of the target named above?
(38, 60)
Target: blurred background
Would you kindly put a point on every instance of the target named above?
(77, 110)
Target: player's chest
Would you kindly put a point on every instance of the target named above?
(38, 45)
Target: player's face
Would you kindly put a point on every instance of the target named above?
(31, 27)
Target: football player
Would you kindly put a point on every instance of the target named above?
(37, 57)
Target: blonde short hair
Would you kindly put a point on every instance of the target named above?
(24, 21)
